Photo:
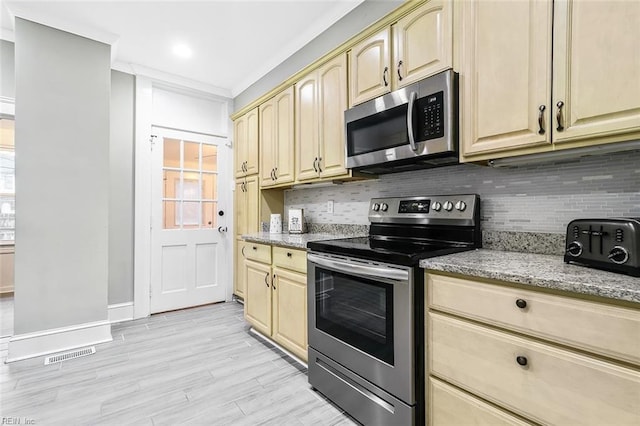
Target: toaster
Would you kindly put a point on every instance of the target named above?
(610, 244)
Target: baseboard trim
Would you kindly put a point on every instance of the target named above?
(120, 312)
(265, 339)
(32, 345)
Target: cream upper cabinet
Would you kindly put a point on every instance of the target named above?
(369, 63)
(321, 99)
(245, 129)
(505, 79)
(277, 139)
(518, 97)
(422, 46)
(596, 70)
(423, 43)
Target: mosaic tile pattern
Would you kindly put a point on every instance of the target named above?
(539, 198)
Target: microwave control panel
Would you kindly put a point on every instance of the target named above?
(431, 116)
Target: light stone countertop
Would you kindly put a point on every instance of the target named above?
(295, 241)
(538, 270)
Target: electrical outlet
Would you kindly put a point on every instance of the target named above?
(330, 206)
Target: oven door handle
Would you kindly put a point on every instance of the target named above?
(356, 268)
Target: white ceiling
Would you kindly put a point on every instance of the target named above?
(234, 42)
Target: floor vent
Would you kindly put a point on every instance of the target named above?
(69, 355)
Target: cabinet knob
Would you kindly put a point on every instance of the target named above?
(560, 127)
(541, 119)
(522, 360)
(521, 303)
(254, 248)
(273, 282)
(289, 254)
(266, 279)
(384, 76)
(399, 75)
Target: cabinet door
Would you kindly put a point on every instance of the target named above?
(252, 204)
(369, 68)
(252, 145)
(240, 277)
(505, 75)
(285, 146)
(257, 301)
(240, 207)
(307, 127)
(268, 141)
(240, 138)
(290, 311)
(596, 70)
(423, 43)
(332, 102)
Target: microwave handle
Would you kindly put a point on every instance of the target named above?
(412, 141)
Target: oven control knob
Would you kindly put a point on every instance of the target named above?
(618, 255)
(384, 207)
(436, 206)
(448, 206)
(574, 249)
(375, 207)
(461, 205)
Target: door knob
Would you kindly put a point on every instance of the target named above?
(222, 229)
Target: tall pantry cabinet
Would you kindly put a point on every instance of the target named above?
(246, 195)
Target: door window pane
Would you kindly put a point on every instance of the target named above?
(209, 214)
(170, 214)
(209, 186)
(190, 214)
(171, 187)
(191, 155)
(190, 181)
(209, 158)
(171, 153)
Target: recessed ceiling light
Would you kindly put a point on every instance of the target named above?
(182, 50)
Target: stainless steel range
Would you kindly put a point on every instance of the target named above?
(366, 305)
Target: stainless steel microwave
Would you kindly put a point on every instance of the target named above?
(411, 128)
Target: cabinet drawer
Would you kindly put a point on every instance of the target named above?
(554, 387)
(592, 326)
(258, 252)
(450, 406)
(287, 258)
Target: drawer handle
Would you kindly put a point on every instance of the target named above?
(289, 254)
(521, 360)
(521, 303)
(254, 247)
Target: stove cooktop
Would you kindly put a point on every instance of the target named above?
(398, 252)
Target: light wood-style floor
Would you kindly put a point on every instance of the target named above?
(196, 366)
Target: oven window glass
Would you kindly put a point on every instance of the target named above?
(386, 129)
(357, 311)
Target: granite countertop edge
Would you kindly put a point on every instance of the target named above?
(294, 241)
(538, 270)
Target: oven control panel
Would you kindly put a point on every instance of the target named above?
(425, 209)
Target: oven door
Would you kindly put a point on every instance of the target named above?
(361, 315)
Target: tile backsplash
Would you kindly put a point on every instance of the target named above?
(540, 198)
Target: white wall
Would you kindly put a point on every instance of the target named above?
(121, 188)
(62, 176)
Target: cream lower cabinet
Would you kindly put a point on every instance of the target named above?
(517, 97)
(498, 354)
(275, 301)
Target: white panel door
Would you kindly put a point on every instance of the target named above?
(188, 250)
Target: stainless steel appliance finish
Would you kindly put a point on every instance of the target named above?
(410, 128)
(610, 244)
(365, 305)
